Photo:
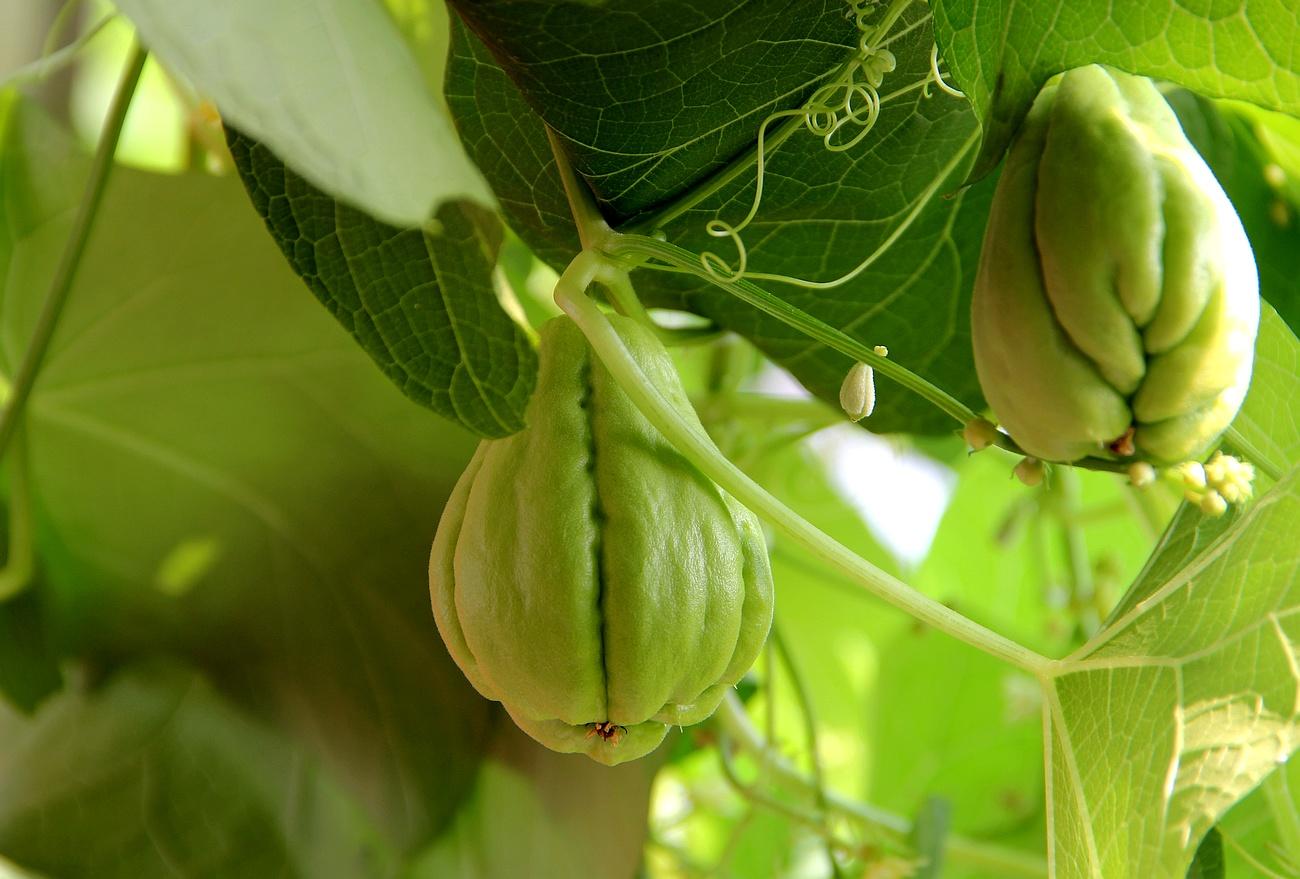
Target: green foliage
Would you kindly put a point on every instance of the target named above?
(280, 496)
(222, 660)
(157, 773)
(822, 213)
(420, 301)
(1207, 636)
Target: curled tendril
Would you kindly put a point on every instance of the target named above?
(842, 112)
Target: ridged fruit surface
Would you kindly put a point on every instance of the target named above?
(587, 576)
(1116, 304)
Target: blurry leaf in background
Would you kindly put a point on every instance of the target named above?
(331, 86)
(1208, 860)
(421, 302)
(218, 471)
(159, 775)
(536, 813)
(1001, 52)
(1251, 154)
(29, 670)
(951, 722)
(1261, 833)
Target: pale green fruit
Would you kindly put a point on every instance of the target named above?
(589, 577)
(1116, 287)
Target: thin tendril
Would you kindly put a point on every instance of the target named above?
(842, 112)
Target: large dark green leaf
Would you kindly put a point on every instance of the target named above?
(420, 301)
(217, 471)
(822, 213)
(1002, 51)
(650, 96)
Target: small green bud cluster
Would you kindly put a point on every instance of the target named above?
(1212, 486)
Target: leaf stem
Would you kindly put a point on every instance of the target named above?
(733, 721)
(570, 295)
(65, 273)
(636, 249)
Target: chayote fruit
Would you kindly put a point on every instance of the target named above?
(589, 577)
(1117, 302)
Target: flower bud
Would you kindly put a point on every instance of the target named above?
(979, 434)
(1029, 471)
(858, 393)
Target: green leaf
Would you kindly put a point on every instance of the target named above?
(545, 815)
(420, 301)
(823, 212)
(1001, 52)
(506, 139)
(158, 775)
(329, 86)
(1208, 862)
(219, 473)
(1184, 701)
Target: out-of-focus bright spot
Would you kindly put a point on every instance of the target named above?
(901, 494)
(670, 804)
(677, 320)
(154, 134)
(9, 871)
(1023, 695)
(777, 382)
(541, 284)
(186, 564)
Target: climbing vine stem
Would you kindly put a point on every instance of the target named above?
(66, 271)
(695, 444)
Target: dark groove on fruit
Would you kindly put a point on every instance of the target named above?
(587, 404)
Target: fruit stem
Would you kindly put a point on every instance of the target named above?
(695, 444)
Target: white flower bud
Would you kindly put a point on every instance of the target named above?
(858, 393)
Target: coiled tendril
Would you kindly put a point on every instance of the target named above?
(841, 112)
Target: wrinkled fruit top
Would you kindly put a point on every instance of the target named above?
(1116, 304)
(586, 575)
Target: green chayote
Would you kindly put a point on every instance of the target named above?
(589, 577)
(1117, 302)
